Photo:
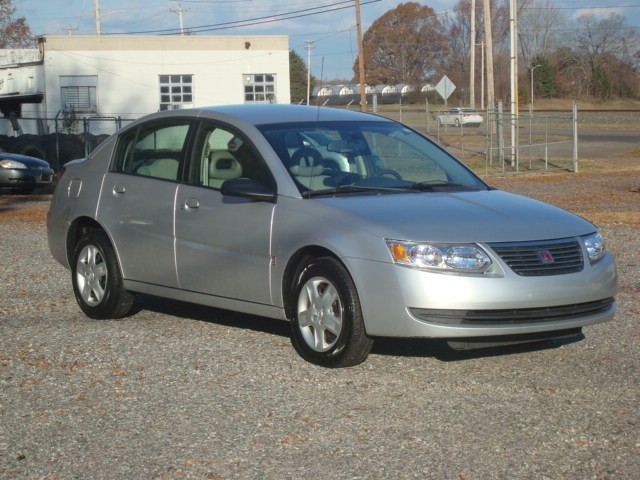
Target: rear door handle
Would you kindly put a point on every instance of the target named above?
(191, 204)
(119, 189)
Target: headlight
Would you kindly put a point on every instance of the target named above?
(12, 164)
(596, 247)
(443, 257)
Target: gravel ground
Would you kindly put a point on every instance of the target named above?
(181, 391)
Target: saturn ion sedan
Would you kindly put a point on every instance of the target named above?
(381, 233)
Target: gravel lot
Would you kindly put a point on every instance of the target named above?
(181, 391)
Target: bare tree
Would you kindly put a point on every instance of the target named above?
(597, 46)
(539, 23)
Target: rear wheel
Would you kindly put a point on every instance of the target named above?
(327, 324)
(96, 277)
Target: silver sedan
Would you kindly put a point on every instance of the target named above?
(379, 234)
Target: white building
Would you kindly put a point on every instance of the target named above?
(134, 75)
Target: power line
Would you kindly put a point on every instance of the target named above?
(260, 20)
(583, 7)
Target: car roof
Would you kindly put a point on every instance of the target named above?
(282, 113)
(260, 114)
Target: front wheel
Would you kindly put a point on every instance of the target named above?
(96, 277)
(327, 324)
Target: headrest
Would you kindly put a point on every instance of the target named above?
(223, 165)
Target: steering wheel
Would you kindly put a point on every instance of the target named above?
(387, 171)
(306, 157)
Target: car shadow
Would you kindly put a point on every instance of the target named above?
(383, 346)
(440, 350)
(203, 313)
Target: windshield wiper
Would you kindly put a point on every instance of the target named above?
(433, 184)
(348, 189)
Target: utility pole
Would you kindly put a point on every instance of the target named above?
(513, 22)
(98, 13)
(309, 44)
(363, 87)
(491, 100)
(179, 12)
(472, 67)
(96, 6)
(482, 76)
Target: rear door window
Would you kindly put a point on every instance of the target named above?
(156, 150)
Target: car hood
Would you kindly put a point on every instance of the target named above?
(483, 216)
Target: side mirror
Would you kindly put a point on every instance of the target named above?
(248, 188)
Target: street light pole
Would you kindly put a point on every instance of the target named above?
(532, 69)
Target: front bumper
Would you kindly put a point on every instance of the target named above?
(405, 302)
(22, 177)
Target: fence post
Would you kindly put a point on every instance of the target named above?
(574, 112)
(57, 141)
(500, 135)
(426, 113)
(85, 137)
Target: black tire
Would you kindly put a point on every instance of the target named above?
(97, 281)
(329, 334)
(457, 122)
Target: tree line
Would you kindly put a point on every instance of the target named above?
(590, 56)
(596, 56)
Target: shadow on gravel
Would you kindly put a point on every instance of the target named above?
(227, 318)
(440, 350)
(398, 347)
(11, 201)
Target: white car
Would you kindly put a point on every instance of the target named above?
(460, 116)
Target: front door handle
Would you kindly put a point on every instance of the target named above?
(119, 190)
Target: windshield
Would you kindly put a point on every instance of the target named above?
(350, 157)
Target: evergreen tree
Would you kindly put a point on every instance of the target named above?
(298, 78)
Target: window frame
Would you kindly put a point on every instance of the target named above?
(179, 92)
(85, 90)
(260, 84)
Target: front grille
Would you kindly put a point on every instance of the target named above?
(535, 259)
(514, 316)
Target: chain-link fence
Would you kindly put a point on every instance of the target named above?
(502, 143)
(56, 140)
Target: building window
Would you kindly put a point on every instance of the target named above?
(260, 88)
(78, 93)
(176, 91)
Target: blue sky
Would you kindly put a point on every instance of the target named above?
(333, 33)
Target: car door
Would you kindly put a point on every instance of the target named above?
(138, 199)
(223, 242)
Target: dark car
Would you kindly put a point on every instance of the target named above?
(23, 173)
